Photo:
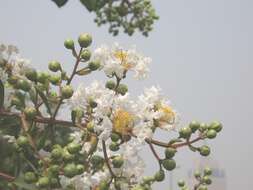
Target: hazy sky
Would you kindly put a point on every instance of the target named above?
(202, 59)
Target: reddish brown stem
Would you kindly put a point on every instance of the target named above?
(6, 176)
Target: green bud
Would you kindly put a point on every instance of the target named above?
(42, 77)
(54, 182)
(13, 80)
(84, 40)
(185, 132)
(207, 171)
(202, 187)
(117, 162)
(204, 150)
(114, 146)
(74, 148)
(169, 164)
(30, 177)
(57, 153)
(55, 79)
(69, 44)
(54, 169)
(67, 156)
(115, 137)
(207, 180)
(211, 134)
(217, 126)
(80, 169)
(94, 65)
(170, 152)
(30, 113)
(70, 170)
(86, 54)
(67, 91)
(31, 74)
(90, 126)
(22, 141)
(159, 176)
(181, 183)
(203, 127)
(197, 174)
(122, 89)
(96, 160)
(23, 85)
(92, 103)
(194, 125)
(43, 182)
(16, 102)
(110, 84)
(54, 66)
(104, 185)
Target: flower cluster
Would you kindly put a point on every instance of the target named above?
(99, 148)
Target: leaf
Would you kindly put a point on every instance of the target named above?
(1, 94)
(60, 3)
(44, 98)
(89, 4)
(83, 71)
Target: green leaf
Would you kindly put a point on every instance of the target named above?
(1, 94)
(83, 71)
(44, 98)
(89, 4)
(60, 3)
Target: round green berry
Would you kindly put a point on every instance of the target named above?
(30, 113)
(84, 40)
(104, 185)
(207, 171)
(211, 134)
(22, 141)
(55, 79)
(67, 156)
(207, 180)
(23, 85)
(31, 74)
(30, 177)
(159, 176)
(194, 125)
(169, 164)
(42, 77)
(197, 174)
(217, 126)
(202, 187)
(69, 44)
(117, 162)
(67, 91)
(185, 132)
(94, 65)
(203, 127)
(122, 89)
(70, 170)
(86, 54)
(115, 137)
(110, 84)
(96, 160)
(54, 66)
(80, 169)
(170, 152)
(114, 146)
(43, 182)
(204, 150)
(57, 153)
(181, 183)
(74, 148)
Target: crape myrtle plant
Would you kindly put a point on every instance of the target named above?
(126, 15)
(98, 147)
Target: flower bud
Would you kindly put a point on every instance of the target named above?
(84, 40)
(22, 141)
(185, 132)
(69, 44)
(207, 180)
(211, 134)
(207, 171)
(117, 162)
(74, 148)
(42, 77)
(54, 66)
(115, 137)
(169, 164)
(194, 125)
(30, 113)
(67, 91)
(159, 176)
(96, 160)
(217, 126)
(23, 85)
(54, 169)
(197, 174)
(30, 177)
(114, 146)
(13, 80)
(202, 187)
(86, 54)
(94, 65)
(31, 74)
(181, 183)
(110, 84)
(203, 127)
(170, 152)
(55, 79)
(70, 170)
(56, 153)
(204, 150)
(104, 185)
(67, 156)
(90, 126)
(80, 169)
(43, 182)
(122, 89)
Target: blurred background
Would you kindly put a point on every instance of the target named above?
(202, 59)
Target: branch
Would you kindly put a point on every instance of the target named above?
(6, 176)
(107, 159)
(153, 150)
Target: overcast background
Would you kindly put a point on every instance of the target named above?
(202, 59)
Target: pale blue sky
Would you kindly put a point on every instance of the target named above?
(202, 59)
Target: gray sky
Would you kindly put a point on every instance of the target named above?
(201, 51)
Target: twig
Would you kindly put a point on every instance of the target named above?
(6, 176)
(107, 159)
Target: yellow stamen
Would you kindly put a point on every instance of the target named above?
(122, 56)
(122, 122)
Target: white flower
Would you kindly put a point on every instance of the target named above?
(104, 128)
(116, 60)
